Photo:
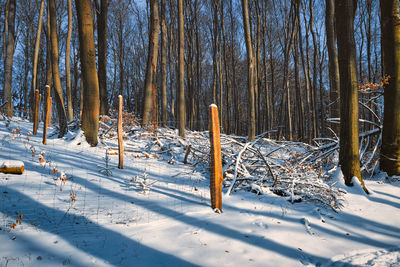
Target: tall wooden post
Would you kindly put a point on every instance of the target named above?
(154, 107)
(49, 111)
(36, 114)
(120, 137)
(216, 163)
(47, 114)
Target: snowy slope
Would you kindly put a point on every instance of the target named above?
(155, 213)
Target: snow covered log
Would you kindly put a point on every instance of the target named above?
(12, 166)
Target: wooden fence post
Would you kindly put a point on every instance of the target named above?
(216, 163)
(36, 112)
(120, 137)
(47, 113)
(154, 107)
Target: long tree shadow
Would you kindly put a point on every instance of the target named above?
(383, 229)
(251, 239)
(34, 248)
(387, 194)
(113, 241)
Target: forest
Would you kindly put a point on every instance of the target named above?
(301, 70)
(200, 132)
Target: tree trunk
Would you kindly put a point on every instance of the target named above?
(151, 68)
(102, 50)
(62, 117)
(9, 57)
(314, 101)
(333, 59)
(390, 28)
(349, 157)
(5, 28)
(250, 77)
(37, 44)
(91, 100)
(181, 71)
(49, 72)
(164, 99)
(67, 69)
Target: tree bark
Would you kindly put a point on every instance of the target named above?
(62, 117)
(37, 44)
(251, 76)
(349, 157)
(9, 57)
(102, 50)
(67, 69)
(91, 100)
(390, 29)
(4, 50)
(181, 71)
(49, 72)
(151, 68)
(333, 63)
(164, 99)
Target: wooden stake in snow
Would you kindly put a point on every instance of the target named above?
(120, 137)
(154, 107)
(12, 166)
(36, 114)
(47, 114)
(216, 163)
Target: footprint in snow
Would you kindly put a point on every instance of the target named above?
(306, 223)
(259, 223)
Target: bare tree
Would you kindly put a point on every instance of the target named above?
(349, 156)
(62, 117)
(36, 52)
(390, 28)
(151, 62)
(9, 57)
(164, 40)
(67, 69)
(333, 58)
(102, 50)
(251, 74)
(181, 71)
(91, 99)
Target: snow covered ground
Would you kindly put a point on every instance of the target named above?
(63, 211)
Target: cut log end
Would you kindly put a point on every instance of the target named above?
(12, 167)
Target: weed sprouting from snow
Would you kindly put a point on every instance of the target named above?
(143, 182)
(60, 176)
(106, 169)
(72, 196)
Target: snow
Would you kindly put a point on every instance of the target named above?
(11, 164)
(155, 213)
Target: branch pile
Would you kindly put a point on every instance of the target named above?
(294, 170)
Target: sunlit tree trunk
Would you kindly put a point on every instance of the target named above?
(349, 157)
(251, 74)
(390, 28)
(181, 72)
(164, 99)
(62, 117)
(9, 57)
(36, 52)
(151, 68)
(49, 72)
(91, 100)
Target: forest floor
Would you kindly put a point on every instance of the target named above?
(73, 206)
